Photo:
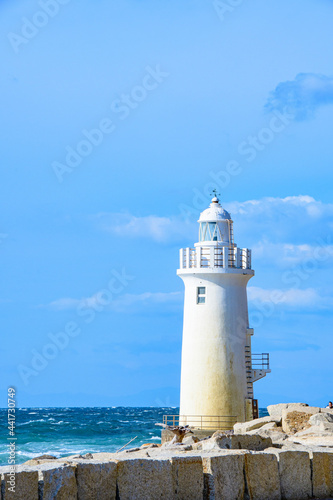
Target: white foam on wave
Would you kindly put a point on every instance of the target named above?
(31, 422)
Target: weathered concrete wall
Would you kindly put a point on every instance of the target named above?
(215, 360)
(230, 475)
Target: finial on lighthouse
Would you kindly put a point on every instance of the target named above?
(215, 199)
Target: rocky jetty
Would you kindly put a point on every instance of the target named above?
(287, 455)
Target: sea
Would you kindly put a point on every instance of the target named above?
(65, 431)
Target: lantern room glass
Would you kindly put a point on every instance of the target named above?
(209, 231)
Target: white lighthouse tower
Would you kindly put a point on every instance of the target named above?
(218, 368)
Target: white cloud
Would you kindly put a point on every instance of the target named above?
(293, 297)
(303, 95)
(292, 225)
(159, 229)
(302, 204)
(293, 220)
(290, 255)
(126, 302)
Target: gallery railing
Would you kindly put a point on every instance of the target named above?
(260, 361)
(201, 421)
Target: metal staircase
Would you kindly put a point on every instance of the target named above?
(256, 365)
(248, 366)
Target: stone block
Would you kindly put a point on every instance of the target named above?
(276, 410)
(296, 420)
(187, 477)
(26, 484)
(234, 442)
(322, 474)
(224, 477)
(262, 476)
(96, 480)
(248, 442)
(57, 482)
(271, 426)
(295, 474)
(319, 418)
(191, 439)
(242, 428)
(144, 479)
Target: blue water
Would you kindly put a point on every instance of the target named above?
(64, 431)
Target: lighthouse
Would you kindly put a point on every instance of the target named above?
(218, 368)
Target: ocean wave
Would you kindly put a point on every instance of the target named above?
(72, 431)
(31, 422)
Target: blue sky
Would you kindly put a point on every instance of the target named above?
(118, 119)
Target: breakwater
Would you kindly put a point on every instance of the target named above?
(230, 474)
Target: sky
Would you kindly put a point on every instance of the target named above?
(118, 121)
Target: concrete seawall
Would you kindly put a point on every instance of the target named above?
(271, 474)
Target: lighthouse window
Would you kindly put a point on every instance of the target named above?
(209, 231)
(201, 294)
(213, 231)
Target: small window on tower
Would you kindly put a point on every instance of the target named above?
(201, 294)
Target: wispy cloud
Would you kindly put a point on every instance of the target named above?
(160, 229)
(123, 303)
(303, 95)
(291, 227)
(277, 217)
(292, 297)
(304, 203)
(289, 254)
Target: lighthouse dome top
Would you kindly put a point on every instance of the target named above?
(214, 213)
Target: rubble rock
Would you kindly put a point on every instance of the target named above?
(271, 426)
(247, 442)
(191, 439)
(314, 436)
(276, 410)
(234, 442)
(244, 427)
(319, 418)
(272, 431)
(297, 420)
